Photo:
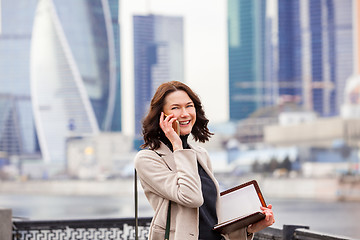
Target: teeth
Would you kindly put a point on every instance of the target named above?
(184, 123)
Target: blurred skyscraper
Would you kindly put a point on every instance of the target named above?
(247, 65)
(114, 11)
(305, 59)
(289, 50)
(73, 71)
(315, 52)
(158, 58)
(17, 128)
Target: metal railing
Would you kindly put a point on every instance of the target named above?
(294, 232)
(94, 229)
(124, 229)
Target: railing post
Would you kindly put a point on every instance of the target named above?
(5, 224)
(289, 230)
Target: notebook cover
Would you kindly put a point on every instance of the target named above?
(236, 224)
(241, 221)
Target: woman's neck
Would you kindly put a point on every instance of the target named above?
(167, 142)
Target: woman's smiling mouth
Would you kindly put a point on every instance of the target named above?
(184, 122)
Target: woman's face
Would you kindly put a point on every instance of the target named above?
(180, 104)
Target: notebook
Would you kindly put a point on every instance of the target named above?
(240, 207)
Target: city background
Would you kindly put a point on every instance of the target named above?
(279, 81)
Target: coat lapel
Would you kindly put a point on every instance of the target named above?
(167, 156)
(202, 158)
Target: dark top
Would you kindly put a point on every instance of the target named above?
(207, 211)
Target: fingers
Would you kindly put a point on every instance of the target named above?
(269, 215)
(268, 221)
(268, 207)
(166, 122)
(163, 117)
(258, 226)
(167, 118)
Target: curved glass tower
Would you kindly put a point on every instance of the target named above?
(72, 73)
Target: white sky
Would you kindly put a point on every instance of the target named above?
(205, 46)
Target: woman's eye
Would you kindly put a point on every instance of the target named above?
(190, 106)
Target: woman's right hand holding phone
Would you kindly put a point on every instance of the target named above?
(166, 124)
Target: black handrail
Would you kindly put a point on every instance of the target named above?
(124, 228)
(117, 228)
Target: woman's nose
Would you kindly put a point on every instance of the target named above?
(184, 112)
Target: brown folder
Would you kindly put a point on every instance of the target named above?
(240, 207)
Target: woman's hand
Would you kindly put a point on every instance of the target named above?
(266, 222)
(166, 125)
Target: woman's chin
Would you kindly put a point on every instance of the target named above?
(185, 132)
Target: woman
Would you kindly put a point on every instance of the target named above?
(172, 170)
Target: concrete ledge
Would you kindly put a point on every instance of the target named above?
(5, 224)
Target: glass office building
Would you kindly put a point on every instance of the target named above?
(158, 58)
(114, 13)
(315, 59)
(343, 52)
(59, 74)
(87, 27)
(73, 72)
(17, 128)
(247, 65)
(289, 49)
(300, 54)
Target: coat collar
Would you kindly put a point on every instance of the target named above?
(168, 155)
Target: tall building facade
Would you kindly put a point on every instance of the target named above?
(91, 42)
(345, 47)
(305, 58)
(315, 59)
(114, 12)
(289, 50)
(17, 127)
(79, 41)
(247, 65)
(74, 73)
(158, 58)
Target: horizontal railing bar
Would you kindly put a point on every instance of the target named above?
(269, 233)
(79, 223)
(305, 234)
(297, 233)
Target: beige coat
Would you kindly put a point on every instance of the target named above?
(174, 176)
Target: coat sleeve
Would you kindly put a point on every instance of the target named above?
(181, 185)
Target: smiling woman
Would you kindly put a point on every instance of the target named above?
(177, 177)
(179, 100)
(178, 107)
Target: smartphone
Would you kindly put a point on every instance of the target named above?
(175, 126)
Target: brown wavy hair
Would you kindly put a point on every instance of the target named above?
(151, 128)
